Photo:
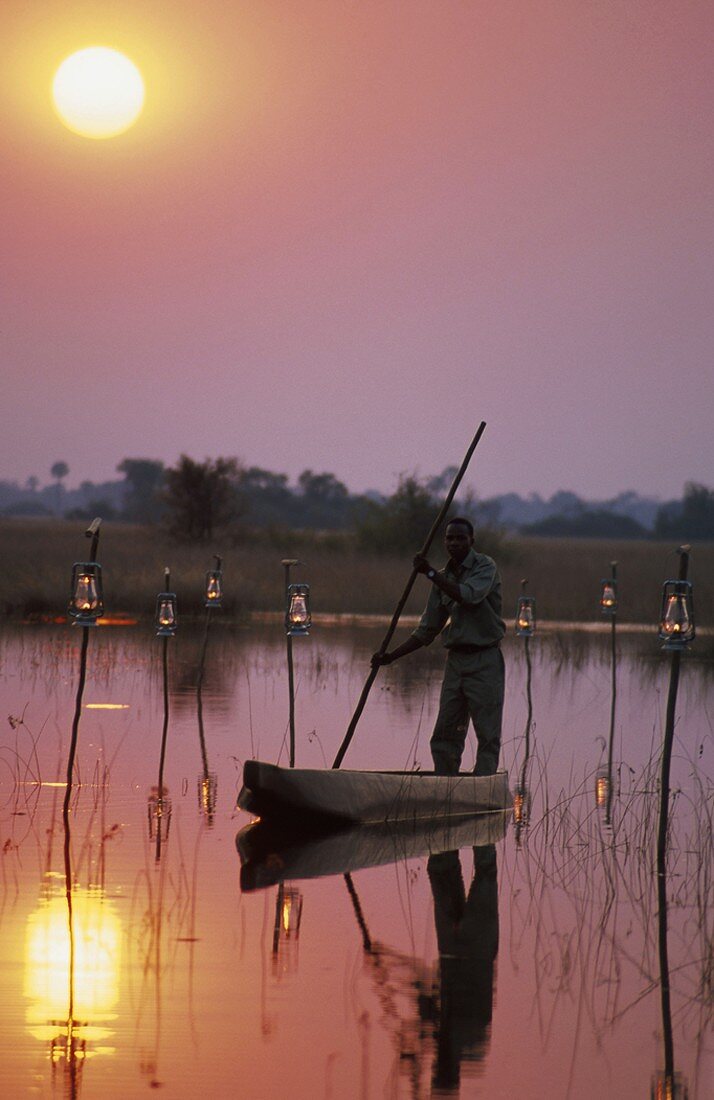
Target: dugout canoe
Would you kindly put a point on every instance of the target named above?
(345, 797)
(270, 855)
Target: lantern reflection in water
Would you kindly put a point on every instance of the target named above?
(207, 792)
(602, 788)
(667, 1086)
(288, 915)
(159, 811)
(72, 977)
(521, 810)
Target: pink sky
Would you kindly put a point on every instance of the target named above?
(341, 234)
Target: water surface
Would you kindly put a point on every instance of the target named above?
(528, 964)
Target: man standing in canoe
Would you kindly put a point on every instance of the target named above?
(464, 603)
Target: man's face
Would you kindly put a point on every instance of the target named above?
(457, 541)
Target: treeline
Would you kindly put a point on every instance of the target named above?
(688, 519)
(195, 500)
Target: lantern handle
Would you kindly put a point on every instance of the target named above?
(288, 563)
(92, 533)
(443, 512)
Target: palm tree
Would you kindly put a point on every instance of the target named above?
(58, 471)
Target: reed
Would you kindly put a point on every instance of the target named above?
(564, 575)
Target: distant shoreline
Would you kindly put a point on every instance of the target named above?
(347, 583)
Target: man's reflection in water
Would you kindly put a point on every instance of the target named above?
(467, 933)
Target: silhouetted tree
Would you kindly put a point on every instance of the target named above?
(402, 521)
(266, 497)
(325, 500)
(200, 497)
(94, 507)
(440, 484)
(59, 471)
(692, 519)
(597, 524)
(145, 479)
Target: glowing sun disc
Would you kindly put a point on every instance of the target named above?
(98, 92)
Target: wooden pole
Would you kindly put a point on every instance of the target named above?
(613, 701)
(199, 694)
(287, 563)
(662, 843)
(165, 730)
(92, 533)
(529, 693)
(405, 595)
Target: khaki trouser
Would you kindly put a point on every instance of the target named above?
(473, 687)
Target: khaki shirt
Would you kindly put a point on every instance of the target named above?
(476, 621)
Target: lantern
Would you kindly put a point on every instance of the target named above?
(676, 627)
(214, 588)
(166, 619)
(525, 616)
(86, 603)
(297, 615)
(608, 596)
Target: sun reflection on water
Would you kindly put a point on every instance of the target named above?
(72, 971)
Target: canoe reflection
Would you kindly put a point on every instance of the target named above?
(449, 1021)
(270, 855)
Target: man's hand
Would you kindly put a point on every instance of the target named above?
(421, 564)
(379, 659)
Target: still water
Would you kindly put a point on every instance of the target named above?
(521, 959)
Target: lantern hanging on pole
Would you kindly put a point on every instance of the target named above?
(213, 592)
(676, 628)
(298, 619)
(86, 603)
(214, 588)
(608, 596)
(166, 619)
(526, 616)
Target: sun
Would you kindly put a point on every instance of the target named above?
(98, 92)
